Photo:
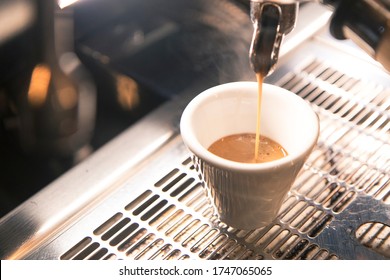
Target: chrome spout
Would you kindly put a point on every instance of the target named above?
(271, 21)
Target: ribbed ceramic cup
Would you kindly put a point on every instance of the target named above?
(247, 195)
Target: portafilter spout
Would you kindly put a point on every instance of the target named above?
(271, 21)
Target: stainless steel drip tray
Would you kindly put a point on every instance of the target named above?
(338, 208)
(140, 198)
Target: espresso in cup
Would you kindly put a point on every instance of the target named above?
(242, 148)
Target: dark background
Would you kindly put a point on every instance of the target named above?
(162, 45)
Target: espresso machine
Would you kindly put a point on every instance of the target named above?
(135, 194)
(365, 22)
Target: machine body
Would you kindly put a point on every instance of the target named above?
(366, 22)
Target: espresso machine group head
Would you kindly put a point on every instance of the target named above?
(366, 22)
(271, 21)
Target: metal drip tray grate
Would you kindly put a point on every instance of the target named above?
(338, 207)
(189, 229)
(353, 149)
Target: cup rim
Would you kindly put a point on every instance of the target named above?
(197, 148)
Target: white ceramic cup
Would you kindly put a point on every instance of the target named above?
(248, 195)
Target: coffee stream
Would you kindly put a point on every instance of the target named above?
(259, 78)
(239, 147)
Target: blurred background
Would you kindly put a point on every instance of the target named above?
(74, 76)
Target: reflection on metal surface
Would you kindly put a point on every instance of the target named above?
(39, 85)
(67, 97)
(65, 3)
(375, 236)
(127, 92)
(15, 17)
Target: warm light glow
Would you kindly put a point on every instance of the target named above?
(15, 16)
(65, 3)
(67, 97)
(39, 85)
(128, 96)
